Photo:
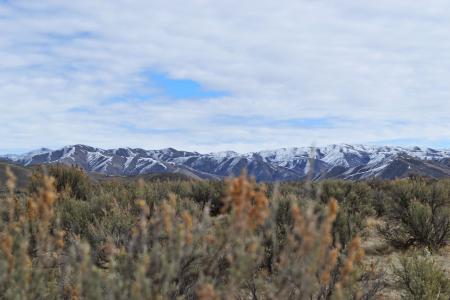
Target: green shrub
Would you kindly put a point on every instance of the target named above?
(209, 193)
(71, 180)
(355, 200)
(420, 278)
(382, 196)
(419, 214)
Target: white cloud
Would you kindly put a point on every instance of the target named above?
(380, 68)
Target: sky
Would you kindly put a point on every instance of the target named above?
(213, 75)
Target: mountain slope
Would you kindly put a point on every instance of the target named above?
(334, 161)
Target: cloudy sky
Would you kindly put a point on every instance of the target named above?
(224, 74)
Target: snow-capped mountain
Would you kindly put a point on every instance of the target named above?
(334, 161)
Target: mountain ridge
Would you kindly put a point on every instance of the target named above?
(340, 161)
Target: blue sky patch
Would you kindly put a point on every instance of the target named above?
(80, 110)
(181, 88)
(135, 129)
(156, 86)
(70, 37)
(257, 121)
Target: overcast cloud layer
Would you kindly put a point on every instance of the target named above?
(269, 73)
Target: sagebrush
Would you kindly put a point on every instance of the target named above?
(71, 237)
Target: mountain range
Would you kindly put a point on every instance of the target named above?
(355, 162)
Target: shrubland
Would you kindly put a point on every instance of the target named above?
(71, 237)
